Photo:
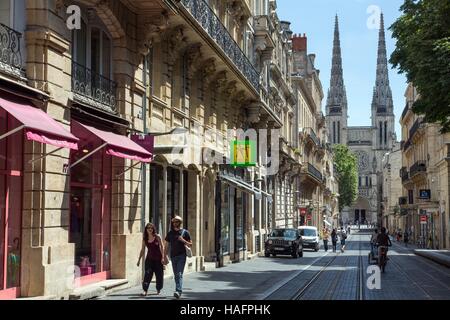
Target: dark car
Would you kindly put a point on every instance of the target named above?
(284, 242)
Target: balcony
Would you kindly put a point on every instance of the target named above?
(364, 191)
(312, 170)
(93, 89)
(407, 145)
(405, 111)
(404, 174)
(208, 20)
(312, 135)
(381, 110)
(10, 54)
(415, 128)
(419, 167)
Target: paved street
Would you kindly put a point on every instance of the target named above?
(316, 276)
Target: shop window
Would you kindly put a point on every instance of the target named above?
(173, 194)
(225, 219)
(90, 210)
(239, 220)
(157, 195)
(11, 161)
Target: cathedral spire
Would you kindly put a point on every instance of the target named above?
(337, 96)
(382, 98)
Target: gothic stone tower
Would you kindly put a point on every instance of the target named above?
(336, 108)
(382, 106)
(369, 143)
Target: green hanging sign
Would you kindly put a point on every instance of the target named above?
(243, 153)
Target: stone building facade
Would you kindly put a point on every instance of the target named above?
(425, 178)
(318, 189)
(369, 143)
(143, 99)
(392, 188)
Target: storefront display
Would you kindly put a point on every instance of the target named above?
(19, 121)
(91, 192)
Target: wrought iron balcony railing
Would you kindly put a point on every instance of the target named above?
(208, 20)
(418, 167)
(404, 174)
(407, 145)
(10, 55)
(313, 136)
(415, 127)
(405, 111)
(312, 170)
(92, 88)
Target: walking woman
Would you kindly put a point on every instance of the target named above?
(154, 262)
(334, 239)
(179, 241)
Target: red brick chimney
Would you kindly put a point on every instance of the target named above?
(299, 43)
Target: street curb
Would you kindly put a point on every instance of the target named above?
(434, 256)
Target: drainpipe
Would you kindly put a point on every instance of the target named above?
(144, 217)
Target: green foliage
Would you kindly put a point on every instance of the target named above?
(346, 165)
(423, 54)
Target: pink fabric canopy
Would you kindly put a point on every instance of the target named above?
(117, 145)
(38, 125)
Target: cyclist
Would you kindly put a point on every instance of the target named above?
(383, 241)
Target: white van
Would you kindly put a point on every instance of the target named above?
(310, 237)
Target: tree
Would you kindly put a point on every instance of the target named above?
(347, 173)
(423, 54)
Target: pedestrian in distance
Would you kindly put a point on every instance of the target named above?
(343, 237)
(334, 239)
(325, 236)
(180, 242)
(406, 238)
(155, 261)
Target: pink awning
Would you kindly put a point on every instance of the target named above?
(38, 125)
(117, 145)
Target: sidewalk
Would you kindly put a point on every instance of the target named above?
(439, 256)
(232, 282)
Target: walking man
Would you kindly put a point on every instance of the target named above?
(325, 236)
(178, 239)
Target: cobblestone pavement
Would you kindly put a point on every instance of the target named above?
(316, 276)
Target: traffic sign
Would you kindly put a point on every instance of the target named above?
(423, 219)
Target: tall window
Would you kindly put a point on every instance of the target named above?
(410, 196)
(92, 47)
(339, 131)
(367, 181)
(381, 133)
(385, 132)
(334, 132)
(359, 181)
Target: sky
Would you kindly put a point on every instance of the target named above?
(358, 26)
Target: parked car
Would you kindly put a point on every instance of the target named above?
(310, 237)
(284, 242)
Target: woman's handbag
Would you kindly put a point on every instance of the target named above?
(188, 250)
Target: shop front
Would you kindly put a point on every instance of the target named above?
(235, 195)
(91, 184)
(20, 122)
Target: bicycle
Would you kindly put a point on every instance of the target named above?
(382, 257)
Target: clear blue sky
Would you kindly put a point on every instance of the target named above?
(359, 40)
